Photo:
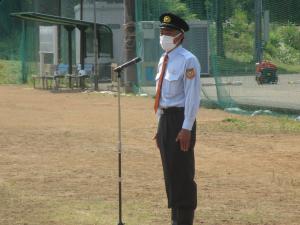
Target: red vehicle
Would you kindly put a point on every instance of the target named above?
(266, 73)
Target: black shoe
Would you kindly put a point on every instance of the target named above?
(174, 216)
(185, 216)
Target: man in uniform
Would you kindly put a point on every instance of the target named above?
(177, 102)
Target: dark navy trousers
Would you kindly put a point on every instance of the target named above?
(178, 166)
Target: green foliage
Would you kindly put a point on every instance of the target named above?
(256, 125)
(9, 46)
(284, 44)
(282, 47)
(283, 11)
(198, 7)
(155, 7)
(233, 123)
(238, 37)
(9, 71)
(238, 27)
(290, 35)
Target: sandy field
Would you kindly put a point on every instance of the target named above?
(58, 163)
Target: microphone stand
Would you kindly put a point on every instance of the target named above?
(119, 150)
(118, 70)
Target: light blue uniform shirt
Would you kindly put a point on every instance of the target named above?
(180, 88)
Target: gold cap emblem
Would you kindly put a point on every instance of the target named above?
(167, 19)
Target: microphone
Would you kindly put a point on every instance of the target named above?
(129, 63)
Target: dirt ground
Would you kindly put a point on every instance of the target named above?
(58, 163)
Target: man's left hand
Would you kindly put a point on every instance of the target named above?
(184, 138)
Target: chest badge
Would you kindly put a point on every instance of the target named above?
(190, 73)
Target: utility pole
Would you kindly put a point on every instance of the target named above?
(81, 9)
(219, 28)
(258, 31)
(96, 75)
(129, 47)
(59, 34)
(82, 37)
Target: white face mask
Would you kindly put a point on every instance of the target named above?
(167, 42)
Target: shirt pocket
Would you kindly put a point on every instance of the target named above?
(157, 77)
(172, 84)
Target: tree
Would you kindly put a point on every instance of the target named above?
(221, 11)
(129, 47)
(9, 28)
(7, 23)
(283, 11)
(153, 8)
(197, 7)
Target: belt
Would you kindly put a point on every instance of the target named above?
(172, 110)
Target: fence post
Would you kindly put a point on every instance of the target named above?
(258, 31)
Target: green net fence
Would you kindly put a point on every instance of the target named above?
(243, 33)
(22, 40)
(19, 45)
(228, 36)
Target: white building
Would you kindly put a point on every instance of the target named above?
(110, 14)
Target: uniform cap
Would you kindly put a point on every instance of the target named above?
(172, 21)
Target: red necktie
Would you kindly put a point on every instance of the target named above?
(161, 78)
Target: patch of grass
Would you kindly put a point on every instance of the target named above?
(231, 120)
(89, 211)
(10, 71)
(233, 124)
(289, 125)
(29, 207)
(257, 125)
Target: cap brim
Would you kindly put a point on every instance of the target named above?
(172, 26)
